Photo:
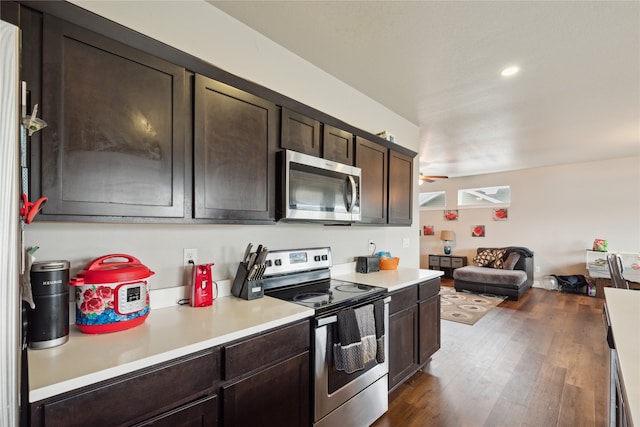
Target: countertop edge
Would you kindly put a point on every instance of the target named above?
(624, 312)
(392, 280)
(64, 386)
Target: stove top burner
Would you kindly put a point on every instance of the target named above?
(313, 299)
(326, 295)
(353, 288)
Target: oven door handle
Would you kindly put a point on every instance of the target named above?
(333, 319)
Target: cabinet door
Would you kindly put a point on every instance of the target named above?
(403, 351)
(429, 316)
(400, 188)
(201, 413)
(337, 145)
(236, 137)
(135, 397)
(278, 396)
(115, 140)
(372, 159)
(300, 133)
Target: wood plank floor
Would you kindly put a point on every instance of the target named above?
(538, 362)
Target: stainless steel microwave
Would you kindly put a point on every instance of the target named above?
(315, 189)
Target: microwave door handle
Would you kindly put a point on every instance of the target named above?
(350, 202)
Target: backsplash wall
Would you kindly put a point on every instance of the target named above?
(160, 246)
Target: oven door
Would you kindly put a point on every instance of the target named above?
(320, 190)
(351, 396)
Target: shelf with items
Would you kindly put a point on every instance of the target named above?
(596, 263)
(446, 263)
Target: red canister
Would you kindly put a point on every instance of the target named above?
(111, 294)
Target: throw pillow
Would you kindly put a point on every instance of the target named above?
(499, 254)
(511, 261)
(484, 258)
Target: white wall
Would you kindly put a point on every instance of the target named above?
(555, 211)
(203, 31)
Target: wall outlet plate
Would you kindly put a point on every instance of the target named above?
(189, 255)
(405, 242)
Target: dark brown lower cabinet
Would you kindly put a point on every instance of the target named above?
(403, 360)
(201, 413)
(277, 396)
(168, 389)
(267, 379)
(429, 319)
(414, 329)
(262, 380)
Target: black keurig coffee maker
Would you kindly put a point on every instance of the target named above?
(49, 320)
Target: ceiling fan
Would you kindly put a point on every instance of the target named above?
(430, 178)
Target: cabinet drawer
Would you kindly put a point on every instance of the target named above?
(403, 299)
(246, 356)
(445, 261)
(434, 260)
(458, 262)
(202, 412)
(133, 398)
(428, 289)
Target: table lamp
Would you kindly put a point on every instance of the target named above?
(447, 237)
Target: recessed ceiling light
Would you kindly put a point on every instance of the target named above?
(510, 71)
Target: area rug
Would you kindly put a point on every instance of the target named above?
(465, 307)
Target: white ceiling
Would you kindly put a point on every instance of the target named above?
(576, 98)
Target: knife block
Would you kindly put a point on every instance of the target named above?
(244, 288)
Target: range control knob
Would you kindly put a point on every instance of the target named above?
(278, 261)
(316, 258)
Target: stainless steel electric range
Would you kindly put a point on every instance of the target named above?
(303, 276)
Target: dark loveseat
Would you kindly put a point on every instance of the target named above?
(487, 275)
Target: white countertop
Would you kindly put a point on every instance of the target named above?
(166, 334)
(175, 331)
(391, 279)
(624, 312)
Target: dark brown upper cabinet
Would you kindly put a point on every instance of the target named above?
(236, 137)
(337, 145)
(115, 141)
(372, 159)
(300, 133)
(400, 188)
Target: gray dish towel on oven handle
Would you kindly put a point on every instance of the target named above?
(347, 352)
(367, 327)
(360, 337)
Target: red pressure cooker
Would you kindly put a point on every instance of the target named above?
(111, 294)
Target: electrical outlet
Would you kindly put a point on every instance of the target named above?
(190, 255)
(372, 246)
(537, 269)
(405, 242)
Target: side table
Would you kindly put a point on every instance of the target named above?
(446, 263)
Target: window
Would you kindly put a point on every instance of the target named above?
(432, 201)
(498, 196)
